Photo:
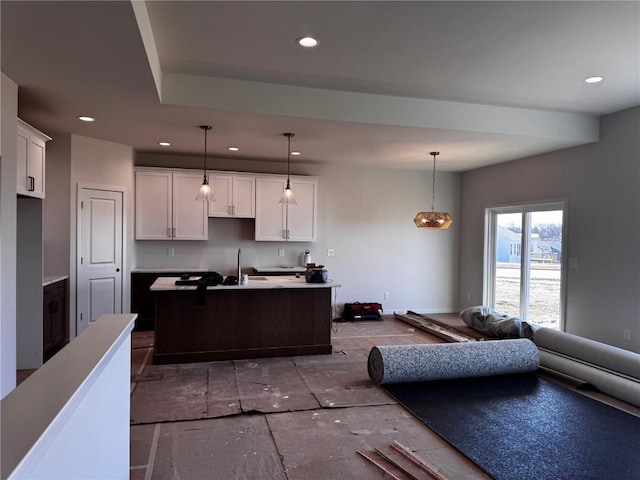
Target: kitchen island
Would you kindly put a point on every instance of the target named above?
(269, 317)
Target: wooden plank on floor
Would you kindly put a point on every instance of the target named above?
(400, 467)
(435, 327)
(380, 462)
(421, 463)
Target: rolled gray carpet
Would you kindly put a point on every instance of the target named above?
(618, 386)
(425, 362)
(589, 351)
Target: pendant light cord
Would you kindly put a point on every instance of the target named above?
(288, 135)
(206, 129)
(433, 189)
(204, 166)
(288, 155)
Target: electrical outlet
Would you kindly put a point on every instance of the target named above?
(573, 262)
(626, 335)
(386, 295)
(171, 252)
(281, 252)
(331, 252)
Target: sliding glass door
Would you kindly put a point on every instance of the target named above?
(524, 262)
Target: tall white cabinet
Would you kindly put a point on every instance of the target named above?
(235, 195)
(31, 160)
(294, 223)
(166, 208)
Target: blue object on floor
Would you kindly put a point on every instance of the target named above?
(524, 427)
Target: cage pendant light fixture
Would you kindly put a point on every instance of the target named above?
(205, 193)
(433, 220)
(287, 197)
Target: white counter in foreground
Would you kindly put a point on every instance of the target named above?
(70, 418)
(256, 282)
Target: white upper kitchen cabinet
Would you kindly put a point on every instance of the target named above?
(294, 223)
(235, 195)
(166, 208)
(31, 160)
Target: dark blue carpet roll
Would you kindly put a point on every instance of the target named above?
(522, 427)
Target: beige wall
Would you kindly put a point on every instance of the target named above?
(56, 216)
(601, 183)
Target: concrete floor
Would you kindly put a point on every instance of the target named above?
(290, 418)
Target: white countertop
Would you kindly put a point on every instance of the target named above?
(255, 282)
(49, 279)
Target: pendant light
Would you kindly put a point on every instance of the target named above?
(287, 197)
(205, 193)
(433, 220)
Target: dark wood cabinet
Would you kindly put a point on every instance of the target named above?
(143, 301)
(54, 326)
(242, 323)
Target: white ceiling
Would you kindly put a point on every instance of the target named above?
(482, 82)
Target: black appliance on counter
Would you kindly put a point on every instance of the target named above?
(316, 275)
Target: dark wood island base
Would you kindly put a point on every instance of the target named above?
(241, 323)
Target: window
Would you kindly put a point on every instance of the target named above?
(529, 285)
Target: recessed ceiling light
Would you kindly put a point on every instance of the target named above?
(84, 118)
(307, 42)
(233, 149)
(164, 144)
(296, 153)
(595, 79)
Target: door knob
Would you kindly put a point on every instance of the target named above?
(117, 269)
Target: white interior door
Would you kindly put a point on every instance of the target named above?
(99, 291)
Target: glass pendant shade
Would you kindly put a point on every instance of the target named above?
(205, 193)
(287, 197)
(433, 220)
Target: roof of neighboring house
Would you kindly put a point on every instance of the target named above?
(508, 235)
(549, 244)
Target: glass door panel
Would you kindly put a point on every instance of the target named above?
(545, 272)
(507, 263)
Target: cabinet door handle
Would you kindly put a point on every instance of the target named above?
(169, 232)
(288, 234)
(174, 232)
(229, 210)
(284, 234)
(233, 210)
(32, 183)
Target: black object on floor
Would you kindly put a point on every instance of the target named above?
(525, 427)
